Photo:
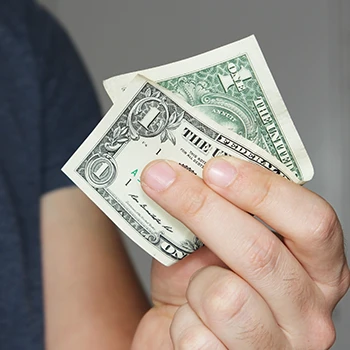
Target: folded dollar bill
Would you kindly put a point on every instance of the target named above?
(224, 102)
(233, 86)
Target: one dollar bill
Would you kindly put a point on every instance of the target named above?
(233, 86)
(149, 122)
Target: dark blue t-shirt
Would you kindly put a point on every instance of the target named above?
(47, 108)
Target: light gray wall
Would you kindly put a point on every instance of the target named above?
(306, 44)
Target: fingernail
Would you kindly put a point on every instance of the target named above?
(158, 176)
(221, 173)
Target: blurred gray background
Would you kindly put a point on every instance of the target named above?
(306, 44)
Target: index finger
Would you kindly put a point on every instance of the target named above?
(307, 222)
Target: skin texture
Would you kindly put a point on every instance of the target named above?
(247, 288)
(93, 299)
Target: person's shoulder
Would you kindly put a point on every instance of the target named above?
(14, 5)
(25, 19)
(14, 11)
(20, 21)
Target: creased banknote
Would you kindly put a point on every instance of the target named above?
(224, 102)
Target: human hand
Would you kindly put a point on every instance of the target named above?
(247, 289)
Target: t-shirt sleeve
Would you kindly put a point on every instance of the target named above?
(69, 107)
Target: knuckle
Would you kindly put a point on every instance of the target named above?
(193, 200)
(322, 334)
(225, 300)
(323, 224)
(339, 286)
(263, 256)
(344, 283)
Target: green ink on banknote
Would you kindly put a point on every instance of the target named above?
(135, 172)
(230, 94)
